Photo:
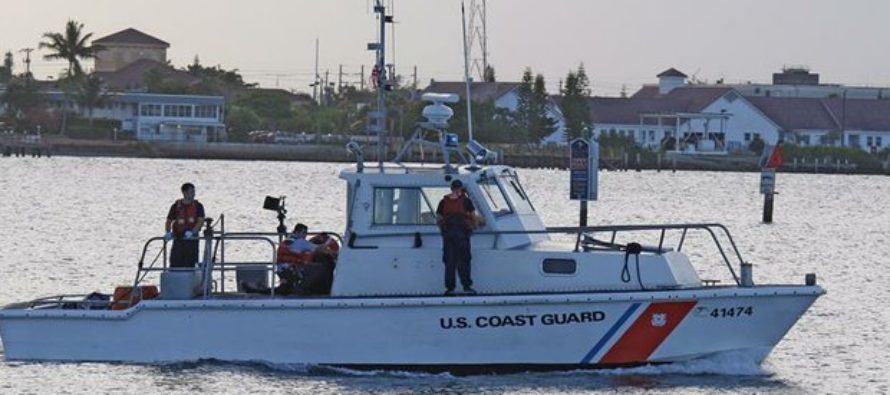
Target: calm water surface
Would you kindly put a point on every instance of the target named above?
(74, 225)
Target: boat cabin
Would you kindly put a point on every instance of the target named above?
(394, 247)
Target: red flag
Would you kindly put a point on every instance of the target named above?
(775, 158)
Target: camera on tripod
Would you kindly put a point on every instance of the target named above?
(277, 204)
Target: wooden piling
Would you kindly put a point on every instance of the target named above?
(768, 208)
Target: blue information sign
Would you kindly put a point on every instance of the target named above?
(583, 166)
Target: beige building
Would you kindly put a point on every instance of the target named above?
(127, 46)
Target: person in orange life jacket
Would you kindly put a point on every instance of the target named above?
(183, 226)
(455, 217)
(296, 251)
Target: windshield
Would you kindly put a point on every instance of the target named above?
(515, 192)
(494, 197)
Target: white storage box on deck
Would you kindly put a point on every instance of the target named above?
(180, 284)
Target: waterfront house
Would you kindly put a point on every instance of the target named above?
(707, 119)
(157, 117)
(856, 123)
(127, 46)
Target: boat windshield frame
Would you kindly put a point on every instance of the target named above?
(494, 197)
(509, 193)
(515, 193)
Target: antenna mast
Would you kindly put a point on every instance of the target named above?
(467, 78)
(479, 36)
(377, 119)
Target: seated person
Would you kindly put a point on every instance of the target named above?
(304, 266)
(295, 249)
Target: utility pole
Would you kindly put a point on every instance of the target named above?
(415, 78)
(362, 83)
(27, 52)
(315, 80)
(844, 121)
(325, 88)
(340, 80)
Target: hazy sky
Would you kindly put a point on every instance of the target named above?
(621, 43)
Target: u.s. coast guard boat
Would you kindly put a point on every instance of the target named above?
(549, 298)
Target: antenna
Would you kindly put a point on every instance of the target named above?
(377, 119)
(314, 84)
(479, 36)
(467, 79)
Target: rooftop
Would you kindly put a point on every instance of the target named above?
(688, 99)
(132, 76)
(131, 36)
(672, 72)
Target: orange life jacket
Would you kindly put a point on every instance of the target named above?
(329, 242)
(186, 215)
(125, 297)
(286, 256)
(456, 207)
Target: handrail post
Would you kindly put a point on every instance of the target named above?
(723, 254)
(207, 275)
(222, 253)
(682, 239)
(578, 240)
(661, 241)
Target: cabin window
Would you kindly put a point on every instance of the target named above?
(559, 266)
(406, 206)
(494, 197)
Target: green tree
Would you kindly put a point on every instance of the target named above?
(21, 94)
(272, 107)
(241, 121)
(488, 74)
(71, 46)
(541, 124)
(6, 71)
(90, 94)
(22, 98)
(575, 105)
(523, 117)
(757, 145)
(217, 81)
(490, 123)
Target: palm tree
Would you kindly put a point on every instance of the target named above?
(91, 95)
(70, 46)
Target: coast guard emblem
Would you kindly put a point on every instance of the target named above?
(659, 319)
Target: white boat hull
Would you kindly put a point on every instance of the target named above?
(480, 332)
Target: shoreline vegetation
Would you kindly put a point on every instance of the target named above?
(797, 159)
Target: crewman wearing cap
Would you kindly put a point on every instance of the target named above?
(455, 217)
(183, 226)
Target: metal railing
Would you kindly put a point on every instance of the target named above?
(584, 237)
(215, 262)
